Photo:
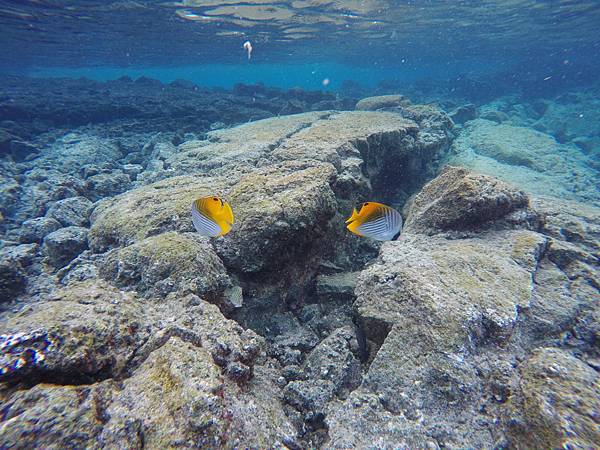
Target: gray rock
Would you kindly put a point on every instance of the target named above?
(107, 184)
(557, 405)
(339, 286)
(34, 230)
(62, 245)
(309, 396)
(181, 357)
(495, 116)
(12, 280)
(449, 317)
(21, 150)
(296, 206)
(23, 254)
(334, 359)
(532, 160)
(463, 113)
(133, 170)
(168, 262)
(381, 102)
(31, 418)
(459, 200)
(74, 211)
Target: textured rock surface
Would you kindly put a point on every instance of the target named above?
(533, 160)
(168, 262)
(459, 200)
(64, 244)
(34, 230)
(140, 358)
(456, 326)
(184, 358)
(74, 211)
(163, 206)
(381, 101)
(559, 402)
(478, 328)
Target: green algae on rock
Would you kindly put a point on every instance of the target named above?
(458, 199)
(559, 403)
(168, 262)
(149, 210)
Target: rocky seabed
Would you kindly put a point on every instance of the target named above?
(121, 328)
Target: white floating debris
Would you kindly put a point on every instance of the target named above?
(326, 82)
(248, 47)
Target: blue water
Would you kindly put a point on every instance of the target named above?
(361, 41)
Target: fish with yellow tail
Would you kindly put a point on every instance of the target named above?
(212, 216)
(375, 220)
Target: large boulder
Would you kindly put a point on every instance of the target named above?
(558, 403)
(35, 230)
(380, 102)
(280, 211)
(459, 200)
(180, 357)
(149, 210)
(449, 317)
(530, 159)
(168, 262)
(74, 211)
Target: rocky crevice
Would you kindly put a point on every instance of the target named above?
(424, 346)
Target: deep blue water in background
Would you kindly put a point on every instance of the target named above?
(532, 45)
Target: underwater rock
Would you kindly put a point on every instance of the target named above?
(23, 254)
(380, 102)
(528, 159)
(107, 184)
(30, 416)
(198, 407)
(495, 116)
(337, 286)
(463, 113)
(570, 221)
(12, 280)
(281, 211)
(34, 230)
(64, 244)
(464, 309)
(233, 152)
(74, 211)
(179, 356)
(556, 404)
(168, 262)
(149, 210)
(146, 105)
(81, 335)
(334, 359)
(459, 200)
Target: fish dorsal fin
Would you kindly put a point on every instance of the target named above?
(353, 217)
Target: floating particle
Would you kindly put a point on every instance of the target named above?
(248, 47)
(326, 82)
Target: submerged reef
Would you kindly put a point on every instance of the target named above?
(123, 328)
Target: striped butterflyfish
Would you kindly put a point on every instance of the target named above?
(376, 221)
(212, 216)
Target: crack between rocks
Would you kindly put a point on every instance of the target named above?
(303, 126)
(155, 342)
